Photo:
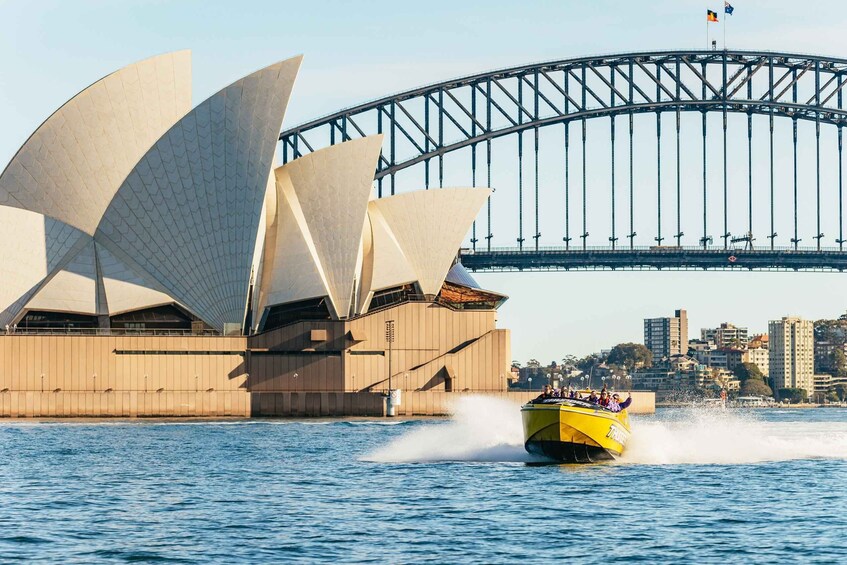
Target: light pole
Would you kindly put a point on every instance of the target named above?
(529, 380)
(389, 337)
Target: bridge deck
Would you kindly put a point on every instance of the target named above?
(668, 258)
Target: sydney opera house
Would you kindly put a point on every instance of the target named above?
(155, 262)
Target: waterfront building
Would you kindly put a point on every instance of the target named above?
(680, 373)
(835, 381)
(725, 358)
(723, 378)
(700, 350)
(726, 335)
(824, 352)
(681, 363)
(152, 248)
(758, 341)
(652, 378)
(666, 337)
(758, 356)
(822, 384)
(791, 353)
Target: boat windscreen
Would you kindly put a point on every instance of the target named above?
(571, 402)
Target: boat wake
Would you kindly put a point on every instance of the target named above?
(731, 437)
(481, 429)
(484, 429)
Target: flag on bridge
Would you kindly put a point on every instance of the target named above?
(711, 16)
(727, 8)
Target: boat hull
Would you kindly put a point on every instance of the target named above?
(574, 432)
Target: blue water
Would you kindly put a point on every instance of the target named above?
(758, 486)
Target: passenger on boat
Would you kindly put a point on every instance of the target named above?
(545, 394)
(574, 394)
(604, 399)
(593, 397)
(615, 405)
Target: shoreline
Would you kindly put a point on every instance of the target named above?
(775, 406)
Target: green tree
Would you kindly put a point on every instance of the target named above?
(793, 395)
(841, 391)
(746, 371)
(630, 355)
(586, 363)
(832, 396)
(755, 387)
(568, 364)
(839, 362)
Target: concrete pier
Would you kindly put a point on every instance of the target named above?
(200, 376)
(241, 403)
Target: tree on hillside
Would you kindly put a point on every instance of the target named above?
(630, 355)
(568, 364)
(755, 387)
(841, 391)
(586, 363)
(839, 363)
(793, 395)
(834, 331)
(746, 371)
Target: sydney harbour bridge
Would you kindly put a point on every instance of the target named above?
(710, 116)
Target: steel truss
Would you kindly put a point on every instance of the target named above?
(425, 124)
(671, 259)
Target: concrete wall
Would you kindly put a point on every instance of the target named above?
(73, 375)
(414, 403)
(428, 337)
(124, 404)
(284, 372)
(121, 363)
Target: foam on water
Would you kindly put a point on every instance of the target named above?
(480, 429)
(731, 437)
(489, 430)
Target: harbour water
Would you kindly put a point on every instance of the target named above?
(703, 485)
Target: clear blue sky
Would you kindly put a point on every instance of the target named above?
(355, 51)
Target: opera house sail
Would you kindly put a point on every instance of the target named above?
(130, 213)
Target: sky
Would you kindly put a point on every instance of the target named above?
(357, 51)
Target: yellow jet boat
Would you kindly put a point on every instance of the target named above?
(574, 431)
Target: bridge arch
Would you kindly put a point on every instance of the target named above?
(427, 123)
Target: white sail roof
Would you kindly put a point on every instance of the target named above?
(72, 165)
(327, 192)
(34, 248)
(187, 215)
(391, 268)
(289, 272)
(124, 289)
(429, 226)
(72, 289)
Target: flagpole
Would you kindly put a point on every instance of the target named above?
(724, 28)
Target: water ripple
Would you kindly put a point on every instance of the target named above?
(700, 487)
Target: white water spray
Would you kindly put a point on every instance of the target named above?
(487, 429)
(731, 437)
(480, 429)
